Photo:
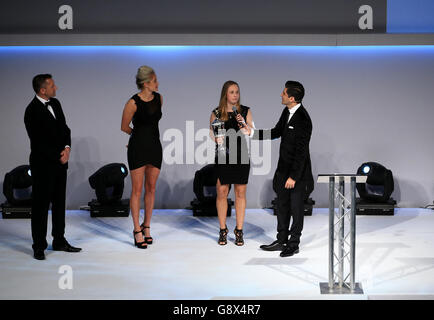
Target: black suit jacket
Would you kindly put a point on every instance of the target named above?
(294, 156)
(48, 135)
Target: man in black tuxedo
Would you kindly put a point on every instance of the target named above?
(50, 141)
(293, 171)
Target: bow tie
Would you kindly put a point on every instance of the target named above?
(47, 103)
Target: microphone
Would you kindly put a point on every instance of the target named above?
(234, 109)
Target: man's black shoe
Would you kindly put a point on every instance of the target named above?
(65, 247)
(275, 246)
(39, 255)
(289, 251)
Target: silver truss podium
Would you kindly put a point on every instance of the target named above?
(344, 232)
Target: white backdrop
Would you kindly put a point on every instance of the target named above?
(366, 104)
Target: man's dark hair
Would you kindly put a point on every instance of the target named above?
(39, 81)
(295, 89)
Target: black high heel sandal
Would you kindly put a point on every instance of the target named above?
(148, 240)
(223, 236)
(140, 245)
(239, 241)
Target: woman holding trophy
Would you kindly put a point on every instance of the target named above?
(144, 149)
(232, 157)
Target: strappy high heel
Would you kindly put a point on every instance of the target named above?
(223, 236)
(148, 240)
(239, 241)
(140, 245)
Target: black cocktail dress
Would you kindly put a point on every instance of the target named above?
(144, 146)
(233, 165)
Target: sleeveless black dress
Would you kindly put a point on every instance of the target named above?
(144, 146)
(233, 165)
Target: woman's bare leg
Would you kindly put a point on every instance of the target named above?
(137, 177)
(151, 177)
(240, 204)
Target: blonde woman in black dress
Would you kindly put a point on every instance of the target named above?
(230, 171)
(144, 149)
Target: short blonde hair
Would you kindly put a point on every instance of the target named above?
(144, 74)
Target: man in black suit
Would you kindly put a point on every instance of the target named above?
(50, 141)
(293, 171)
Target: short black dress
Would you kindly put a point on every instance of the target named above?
(233, 165)
(144, 146)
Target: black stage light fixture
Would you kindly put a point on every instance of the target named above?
(375, 194)
(108, 183)
(308, 202)
(430, 206)
(205, 179)
(17, 188)
(379, 184)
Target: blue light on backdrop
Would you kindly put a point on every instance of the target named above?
(229, 49)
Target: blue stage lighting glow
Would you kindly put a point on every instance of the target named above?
(122, 170)
(29, 173)
(213, 49)
(366, 169)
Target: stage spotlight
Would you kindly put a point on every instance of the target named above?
(108, 183)
(205, 179)
(375, 193)
(379, 184)
(17, 188)
(366, 169)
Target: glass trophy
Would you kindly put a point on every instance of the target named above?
(218, 128)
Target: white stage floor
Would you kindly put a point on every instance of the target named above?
(394, 258)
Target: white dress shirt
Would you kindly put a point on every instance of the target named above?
(44, 102)
(49, 109)
(291, 113)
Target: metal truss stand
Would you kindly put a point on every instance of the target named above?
(342, 234)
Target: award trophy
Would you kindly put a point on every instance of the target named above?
(218, 128)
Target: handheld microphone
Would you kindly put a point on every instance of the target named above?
(234, 109)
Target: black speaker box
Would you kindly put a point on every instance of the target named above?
(207, 207)
(13, 212)
(119, 208)
(308, 206)
(375, 209)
